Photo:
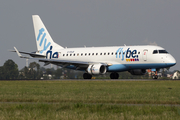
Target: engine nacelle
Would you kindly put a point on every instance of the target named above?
(96, 69)
(138, 71)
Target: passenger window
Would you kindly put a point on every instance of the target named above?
(70, 54)
(81, 54)
(108, 53)
(63, 54)
(116, 53)
(74, 54)
(92, 53)
(100, 53)
(96, 53)
(85, 54)
(78, 54)
(66, 54)
(89, 53)
(104, 53)
(112, 53)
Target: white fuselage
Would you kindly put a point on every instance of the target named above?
(118, 58)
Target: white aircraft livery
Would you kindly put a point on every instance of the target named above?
(97, 60)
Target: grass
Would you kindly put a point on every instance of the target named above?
(78, 111)
(89, 100)
(141, 92)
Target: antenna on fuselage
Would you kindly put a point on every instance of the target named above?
(124, 44)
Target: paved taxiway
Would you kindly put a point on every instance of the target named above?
(110, 79)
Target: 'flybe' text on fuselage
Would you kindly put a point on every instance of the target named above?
(130, 55)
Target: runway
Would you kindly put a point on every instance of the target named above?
(110, 79)
(93, 80)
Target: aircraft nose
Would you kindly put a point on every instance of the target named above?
(172, 61)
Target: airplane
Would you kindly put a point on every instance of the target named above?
(97, 60)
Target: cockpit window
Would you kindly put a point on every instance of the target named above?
(155, 52)
(163, 51)
(160, 52)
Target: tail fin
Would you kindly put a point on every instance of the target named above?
(43, 38)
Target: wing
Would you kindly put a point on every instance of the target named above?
(79, 65)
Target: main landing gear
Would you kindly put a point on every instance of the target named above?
(87, 76)
(114, 75)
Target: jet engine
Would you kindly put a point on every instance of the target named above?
(96, 69)
(138, 71)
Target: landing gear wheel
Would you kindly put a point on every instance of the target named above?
(87, 76)
(155, 77)
(114, 75)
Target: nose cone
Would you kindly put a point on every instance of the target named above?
(171, 61)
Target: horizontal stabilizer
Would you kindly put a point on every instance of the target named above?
(28, 53)
(19, 53)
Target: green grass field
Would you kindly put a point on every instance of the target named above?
(90, 100)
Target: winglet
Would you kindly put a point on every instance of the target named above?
(19, 53)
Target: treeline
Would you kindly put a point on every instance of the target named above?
(10, 71)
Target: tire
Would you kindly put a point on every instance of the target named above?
(114, 75)
(87, 76)
(154, 77)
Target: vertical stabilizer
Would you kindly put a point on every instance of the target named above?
(43, 38)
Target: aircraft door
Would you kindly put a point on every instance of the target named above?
(59, 54)
(145, 51)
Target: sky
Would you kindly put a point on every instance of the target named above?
(75, 23)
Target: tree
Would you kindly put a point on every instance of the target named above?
(35, 70)
(31, 72)
(10, 70)
(58, 73)
(2, 73)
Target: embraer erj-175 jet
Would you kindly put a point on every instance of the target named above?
(98, 60)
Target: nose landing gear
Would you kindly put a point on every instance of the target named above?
(155, 76)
